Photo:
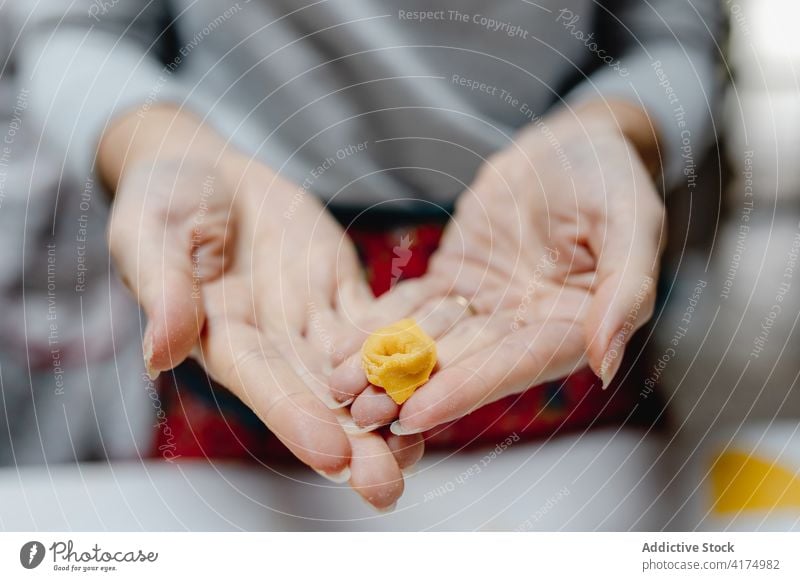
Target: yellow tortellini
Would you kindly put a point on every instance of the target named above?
(399, 358)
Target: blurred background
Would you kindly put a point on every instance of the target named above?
(723, 348)
(732, 383)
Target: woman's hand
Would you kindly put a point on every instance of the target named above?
(251, 276)
(556, 246)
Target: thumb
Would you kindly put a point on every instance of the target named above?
(156, 261)
(624, 299)
(622, 303)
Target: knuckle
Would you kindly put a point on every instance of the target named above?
(283, 397)
(244, 360)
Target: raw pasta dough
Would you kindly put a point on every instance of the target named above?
(399, 358)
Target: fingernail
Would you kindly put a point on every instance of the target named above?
(610, 366)
(410, 471)
(147, 349)
(331, 402)
(152, 373)
(336, 477)
(612, 359)
(398, 430)
(343, 404)
(387, 509)
(351, 427)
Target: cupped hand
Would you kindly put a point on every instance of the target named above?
(556, 247)
(240, 269)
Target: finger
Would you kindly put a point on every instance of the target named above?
(278, 302)
(305, 361)
(354, 298)
(326, 326)
(625, 296)
(373, 408)
(376, 475)
(436, 317)
(348, 380)
(404, 299)
(473, 335)
(407, 450)
(439, 315)
(154, 258)
(489, 289)
(319, 328)
(242, 360)
(530, 356)
(333, 272)
(308, 363)
(622, 304)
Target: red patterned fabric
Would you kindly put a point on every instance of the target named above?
(207, 421)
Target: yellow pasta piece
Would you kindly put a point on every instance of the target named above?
(399, 358)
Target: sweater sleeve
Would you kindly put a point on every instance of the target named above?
(84, 62)
(663, 56)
